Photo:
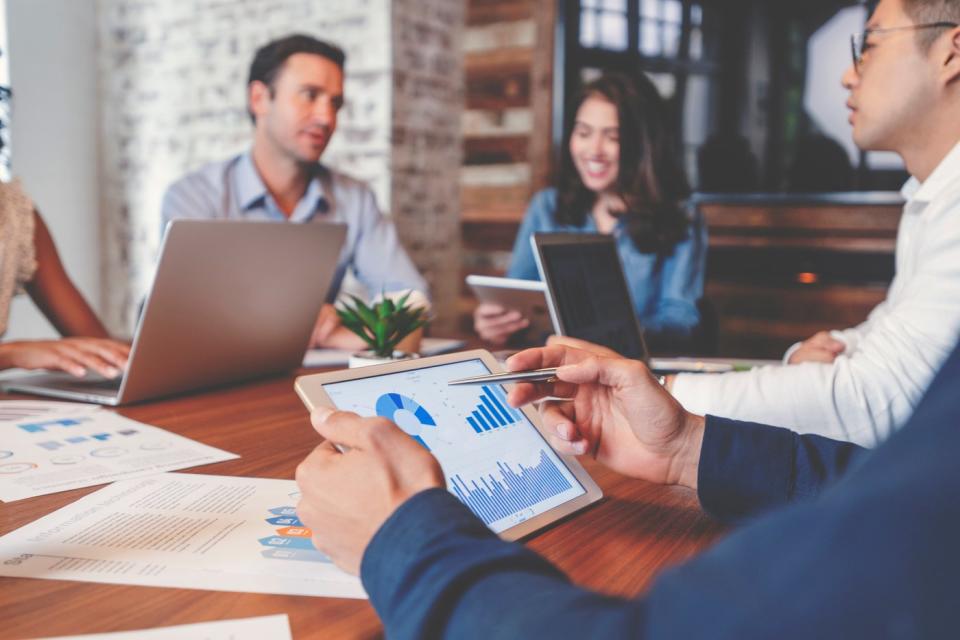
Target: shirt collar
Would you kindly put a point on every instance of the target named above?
(251, 192)
(945, 175)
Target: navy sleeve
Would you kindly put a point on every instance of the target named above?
(873, 557)
(746, 468)
(435, 570)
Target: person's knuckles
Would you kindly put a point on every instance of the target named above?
(381, 435)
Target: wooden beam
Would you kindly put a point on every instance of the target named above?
(498, 60)
(541, 153)
(489, 235)
(490, 11)
(495, 150)
(501, 90)
(505, 204)
(482, 123)
(776, 219)
(490, 37)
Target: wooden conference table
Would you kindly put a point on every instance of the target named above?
(617, 546)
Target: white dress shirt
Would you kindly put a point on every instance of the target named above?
(875, 384)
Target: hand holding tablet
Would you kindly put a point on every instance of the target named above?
(347, 495)
(494, 458)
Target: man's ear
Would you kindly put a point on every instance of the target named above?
(258, 98)
(951, 63)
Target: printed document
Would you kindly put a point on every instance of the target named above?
(46, 447)
(183, 530)
(273, 627)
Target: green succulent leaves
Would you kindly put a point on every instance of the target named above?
(384, 324)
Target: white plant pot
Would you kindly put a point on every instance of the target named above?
(367, 358)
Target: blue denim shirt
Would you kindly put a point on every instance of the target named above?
(665, 288)
(233, 190)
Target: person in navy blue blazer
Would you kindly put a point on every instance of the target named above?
(835, 541)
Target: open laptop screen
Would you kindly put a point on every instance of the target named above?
(587, 291)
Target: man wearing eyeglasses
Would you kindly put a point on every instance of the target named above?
(862, 383)
(842, 542)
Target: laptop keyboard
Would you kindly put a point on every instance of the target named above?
(90, 385)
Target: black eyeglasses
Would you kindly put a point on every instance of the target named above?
(859, 40)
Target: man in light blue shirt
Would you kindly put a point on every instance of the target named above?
(294, 92)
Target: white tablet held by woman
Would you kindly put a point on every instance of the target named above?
(526, 296)
(495, 458)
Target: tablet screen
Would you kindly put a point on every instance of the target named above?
(591, 295)
(494, 459)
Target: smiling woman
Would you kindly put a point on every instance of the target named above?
(621, 175)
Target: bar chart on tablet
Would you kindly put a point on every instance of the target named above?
(493, 458)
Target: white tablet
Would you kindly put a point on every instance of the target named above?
(526, 296)
(495, 458)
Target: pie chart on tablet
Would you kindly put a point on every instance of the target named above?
(409, 415)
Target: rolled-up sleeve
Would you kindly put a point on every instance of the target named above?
(380, 261)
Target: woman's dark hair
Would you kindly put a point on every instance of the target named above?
(651, 179)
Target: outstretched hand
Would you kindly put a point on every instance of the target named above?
(616, 412)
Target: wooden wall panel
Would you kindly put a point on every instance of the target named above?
(508, 70)
(481, 12)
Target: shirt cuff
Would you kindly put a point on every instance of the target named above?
(744, 468)
(695, 391)
(793, 348)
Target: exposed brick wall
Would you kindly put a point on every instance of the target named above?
(173, 76)
(427, 149)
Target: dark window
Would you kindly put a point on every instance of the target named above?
(675, 42)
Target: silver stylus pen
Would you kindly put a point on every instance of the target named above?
(537, 375)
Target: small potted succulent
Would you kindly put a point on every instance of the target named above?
(382, 326)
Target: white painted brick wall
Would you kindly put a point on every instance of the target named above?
(427, 142)
(173, 75)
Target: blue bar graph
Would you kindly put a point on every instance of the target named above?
(493, 499)
(493, 412)
(473, 423)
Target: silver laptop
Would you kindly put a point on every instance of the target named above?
(231, 300)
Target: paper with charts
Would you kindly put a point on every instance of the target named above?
(46, 447)
(183, 530)
(274, 627)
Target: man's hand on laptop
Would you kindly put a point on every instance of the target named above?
(617, 413)
(75, 356)
(329, 333)
(347, 495)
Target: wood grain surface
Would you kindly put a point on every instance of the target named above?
(617, 546)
